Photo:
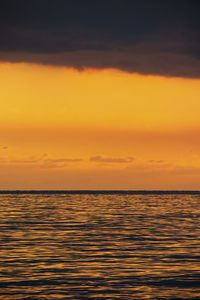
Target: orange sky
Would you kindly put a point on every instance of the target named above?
(64, 129)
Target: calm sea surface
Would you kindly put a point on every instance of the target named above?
(100, 246)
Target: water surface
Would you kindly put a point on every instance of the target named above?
(100, 246)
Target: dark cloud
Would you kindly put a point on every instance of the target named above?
(147, 37)
(101, 159)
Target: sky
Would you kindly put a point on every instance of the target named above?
(100, 95)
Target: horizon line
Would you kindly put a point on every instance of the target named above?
(91, 191)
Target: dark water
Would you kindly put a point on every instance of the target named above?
(100, 246)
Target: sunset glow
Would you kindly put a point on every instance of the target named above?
(97, 129)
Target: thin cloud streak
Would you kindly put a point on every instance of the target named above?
(101, 159)
(42, 162)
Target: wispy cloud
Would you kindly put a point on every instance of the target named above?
(156, 161)
(24, 161)
(101, 159)
(42, 161)
(59, 162)
(3, 147)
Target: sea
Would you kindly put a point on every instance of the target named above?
(99, 245)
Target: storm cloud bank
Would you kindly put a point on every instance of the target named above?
(146, 37)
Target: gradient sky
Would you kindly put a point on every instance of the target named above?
(101, 96)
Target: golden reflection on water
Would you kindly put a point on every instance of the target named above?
(95, 246)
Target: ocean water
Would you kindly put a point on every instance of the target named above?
(100, 246)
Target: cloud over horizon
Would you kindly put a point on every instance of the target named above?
(101, 159)
(146, 37)
(42, 161)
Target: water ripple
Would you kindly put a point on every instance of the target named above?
(100, 246)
